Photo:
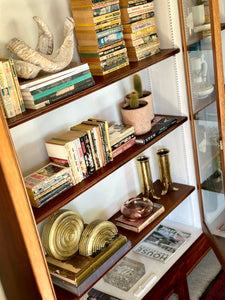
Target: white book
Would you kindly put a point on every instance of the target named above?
(72, 69)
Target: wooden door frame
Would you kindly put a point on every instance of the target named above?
(24, 273)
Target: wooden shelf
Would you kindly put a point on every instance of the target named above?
(52, 206)
(171, 200)
(203, 103)
(197, 37)
(100, 82)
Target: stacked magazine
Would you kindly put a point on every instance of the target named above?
(162, 243)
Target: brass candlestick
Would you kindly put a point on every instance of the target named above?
(146, 177)
(165, 172)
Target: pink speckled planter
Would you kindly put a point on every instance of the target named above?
(138, 117)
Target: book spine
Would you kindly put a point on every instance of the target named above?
(137, 34)
(87, 154)
(81, 157)
(138, 17)
(140, 40)
(96, 149)
(99, 10)
(11, 86)
(37, 88)
(105, 130)
(46, 92)
(99, 73)
(5, 95)
(110, 39)
(16, 81)
(98, 26)
(78, 159)
(53, 194)
(100, 146)
(92, 148)
(121, 142)
(110, 65)
(123, 147)
(66, 92)
(72, 160)
(131, 3)
(140, 25)
(143, 54)
(149, 6)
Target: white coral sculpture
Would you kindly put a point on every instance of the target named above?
(31, 61)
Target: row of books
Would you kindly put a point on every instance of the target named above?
(47, 182)
(10, 94)
(85, 148)
(139, 28)
(99, 35)
(49, 88)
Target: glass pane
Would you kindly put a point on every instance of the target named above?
(203, 106)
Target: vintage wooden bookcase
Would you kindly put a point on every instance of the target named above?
(24, 270)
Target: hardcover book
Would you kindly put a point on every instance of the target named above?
(162, 243)
(159, 125)
(78, 273)
(140, 224)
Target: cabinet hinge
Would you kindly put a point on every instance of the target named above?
(221, 144)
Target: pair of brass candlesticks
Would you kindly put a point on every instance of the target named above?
(165, 174)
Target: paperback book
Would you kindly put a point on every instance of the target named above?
(139, 224)
(159, 125)
(162, 243)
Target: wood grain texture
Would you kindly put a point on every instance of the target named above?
(24, 272)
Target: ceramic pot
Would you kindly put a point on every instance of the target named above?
(147, 96)
(138, 117)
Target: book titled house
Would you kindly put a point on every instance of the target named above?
(162, 243)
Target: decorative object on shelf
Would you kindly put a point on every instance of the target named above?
(96, 236)
(165, 171)
(136, 208)
(137, 109)
(32, 61)
(146, 177)
(142, 94)
(138, 116)
(125, 274)
(201, 88)
(78, 273)
(138, 225)
(61, 234)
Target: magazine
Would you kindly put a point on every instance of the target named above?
(162, 243)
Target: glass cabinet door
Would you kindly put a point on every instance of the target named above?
(201, 34)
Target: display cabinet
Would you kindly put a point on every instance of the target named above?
(193, 145)
(203, 42)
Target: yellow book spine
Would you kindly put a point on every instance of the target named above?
(12, 87)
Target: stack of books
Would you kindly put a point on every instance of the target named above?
(49, 88)
(99, 35)
(10, 94)
(48, 182)
(85, 148)
(139, 29)
(121, 137)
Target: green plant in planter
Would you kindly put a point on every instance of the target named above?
(138, 85)
(134, 100)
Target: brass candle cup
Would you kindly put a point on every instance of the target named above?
(146, 177)
(165, 171)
